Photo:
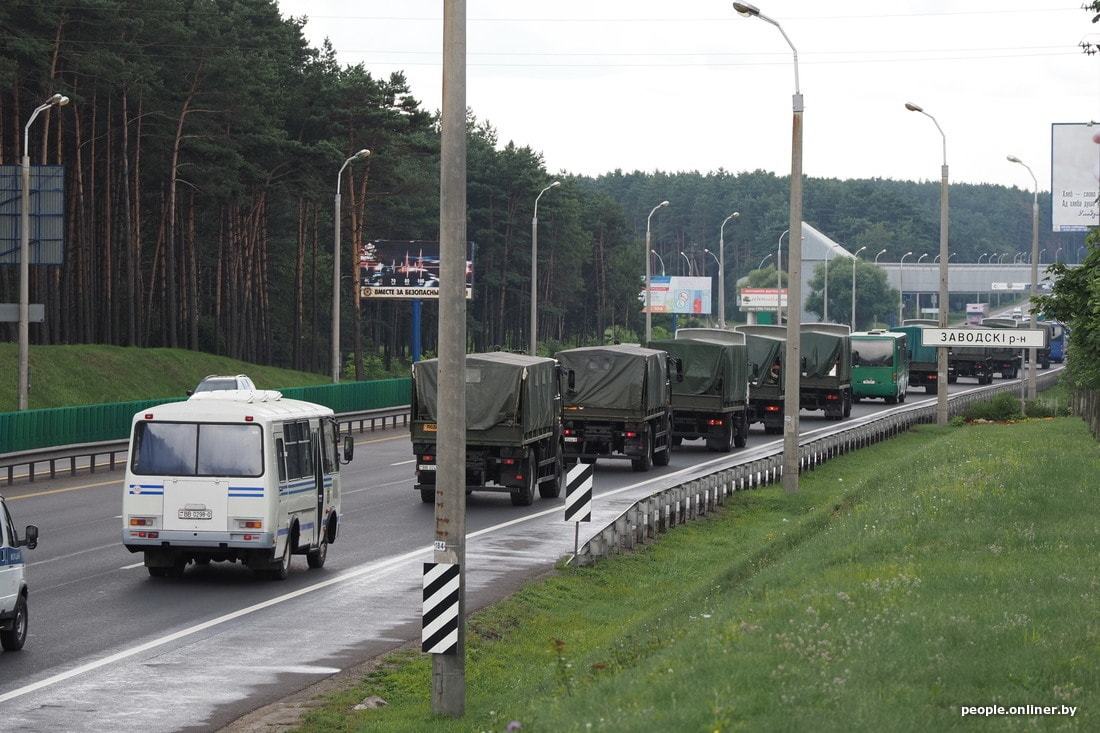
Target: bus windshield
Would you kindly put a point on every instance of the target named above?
(197, 449)
(872, 352)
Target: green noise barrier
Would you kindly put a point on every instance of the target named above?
(58, 426)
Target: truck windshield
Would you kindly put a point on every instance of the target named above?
(872, 352)
(197, 449)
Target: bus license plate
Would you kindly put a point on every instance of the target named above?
(196, 514)
(868, 381)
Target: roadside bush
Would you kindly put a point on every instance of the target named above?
(958, 421)
(1002, 407)
(1038, 408)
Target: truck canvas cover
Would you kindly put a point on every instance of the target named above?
(919, 353)
(822, 352)
(763, 351)
(711, 367)
(618, 377)
(505, 389)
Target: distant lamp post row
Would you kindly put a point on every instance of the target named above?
(1032, 372)
(57, 100)
(649, 271)
(855, 261)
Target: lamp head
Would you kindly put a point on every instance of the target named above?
(60, 100)
(364, 153)
(746, 9)
(555, 184)
(913, 107)
(663, 203)
(735, 215)
(1014, 159)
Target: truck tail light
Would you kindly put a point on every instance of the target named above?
(932, 377)
(567, 431)
(508, 461)
(771, 408)
(631, 434)
(832, 397)
(428, 459)
(715, 422)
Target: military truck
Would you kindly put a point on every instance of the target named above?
(880, 365)
(972, 362)
(766, 350)
(513, 425)
(923, 367)
(712, 400)
(1006, 361)
(1043, 354)
(619, 404)
(826, 369)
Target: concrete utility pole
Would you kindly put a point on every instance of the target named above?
(649, 273)
(535, 270)
(449, 670)
(855, 261)
(941, 353)
(336, 363)
(792, 371)
(59, 100)
(1033, 368)
(901, 288)
(722, 267)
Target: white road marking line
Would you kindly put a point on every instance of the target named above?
(131, 567)
(363, 570)
(402, 463)
(73, 554)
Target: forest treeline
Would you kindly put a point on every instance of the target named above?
(201, 149)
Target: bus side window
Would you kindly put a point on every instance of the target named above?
(327, 443)
(280, 459)
(293, 455)
(304, 453)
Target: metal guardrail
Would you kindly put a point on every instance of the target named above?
(663, 509)
(366, 419)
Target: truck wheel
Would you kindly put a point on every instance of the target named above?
(724, 442)
(901, 397)
(847, 405)
(742, 436)
(552, 489)
(952, 380)
(930, 389)
(1044, 364)
(526, 495)
(645, 461)
(13, 639)
(427, 496)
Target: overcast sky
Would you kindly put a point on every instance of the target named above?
(690, 85)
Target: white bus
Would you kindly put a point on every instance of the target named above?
(233, 475)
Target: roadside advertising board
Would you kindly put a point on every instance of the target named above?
(761, 299)
(1074, 177)
(673, 294)
(405, 269)
(1009, 338)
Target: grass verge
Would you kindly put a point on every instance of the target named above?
(946, 567)
(87, 374)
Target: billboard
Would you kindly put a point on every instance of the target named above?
(673, 294)
(407, 269)
(47, 214)
(761, 299)
(1074, 177)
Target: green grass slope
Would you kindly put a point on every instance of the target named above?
(88, 374)
(944, 568)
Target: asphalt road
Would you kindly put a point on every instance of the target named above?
(91, 599)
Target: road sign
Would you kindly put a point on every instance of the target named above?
(761, 299)
(9, 313)
(47, 214)
(998, 286)
(578, 492)
(441, 593)
(1011, 338)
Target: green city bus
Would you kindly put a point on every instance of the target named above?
(880, 365)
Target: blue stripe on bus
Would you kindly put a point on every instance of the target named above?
(246, 496)
(146, 492)
(10, 556)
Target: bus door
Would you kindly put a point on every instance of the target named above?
(319, 485)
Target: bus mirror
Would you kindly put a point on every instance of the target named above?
(349, 448)
(30, 537)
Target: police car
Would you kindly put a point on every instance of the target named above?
(13, 584)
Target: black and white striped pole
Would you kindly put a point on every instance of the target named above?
(442, 588)
(579, 481)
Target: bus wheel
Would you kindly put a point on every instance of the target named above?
(427, 496)
(316, 558)
(280, 568)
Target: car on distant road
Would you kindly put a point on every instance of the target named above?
(13, 581)
(216, 383)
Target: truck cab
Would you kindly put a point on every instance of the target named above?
(13, 581)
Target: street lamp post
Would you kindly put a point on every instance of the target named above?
(336, 268)
(779, 281)
(901, 288)
(825, 295)
(941, 353)
(1033, 371)
(918, 291)
(792, 373)
(721, 290)
(659, 259)
(535, 268)
(855, 261)
(57, 100)
(766, 258)
(1056, 253)
(687, 263)
(983, 254)
(722, 267)
(649, 273)
(881, 252)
